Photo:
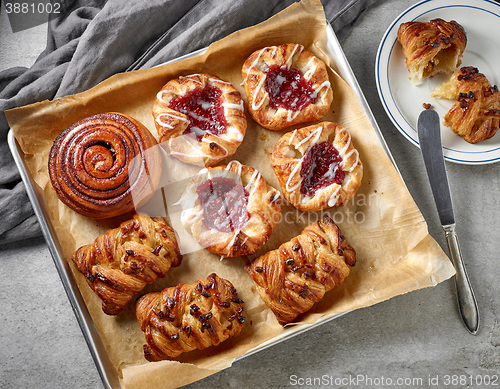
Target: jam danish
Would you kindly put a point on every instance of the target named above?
(105, 165)
(200, 119)
(317, 166)
(189, 317)
(293, 277)
(122, 261)
(476, 114)
(431, 47)
(230, 210)
(286, 85)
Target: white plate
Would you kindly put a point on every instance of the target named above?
(403, 101)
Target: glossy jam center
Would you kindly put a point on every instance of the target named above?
(320, 168)
(224, 204)
(287, 88)
(204, 110)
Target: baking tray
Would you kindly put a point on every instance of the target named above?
(104, 366)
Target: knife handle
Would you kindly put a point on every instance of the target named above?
(466, 299)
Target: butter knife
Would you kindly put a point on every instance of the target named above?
(429, 137)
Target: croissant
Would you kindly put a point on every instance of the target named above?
(299, 273)
(431, 47)
(476, 114)
(105, 165)
(189, 317)
(121, 262)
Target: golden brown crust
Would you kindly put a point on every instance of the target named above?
(105, 165)
(476, 114)
(289, 154)
(431, 47)
(291, 56)
(262, 213)
(171, 124)
(121, 262)
(299, 273)
(189, 317)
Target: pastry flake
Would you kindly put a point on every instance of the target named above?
(299, 273)
(476, 114)
(431, 47)
(230, 210)
(105, 165)
(200, 119)
(188, 317)
(317, 166)
(121, 262)
(286, 85)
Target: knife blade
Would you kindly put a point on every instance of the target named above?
(429, 137)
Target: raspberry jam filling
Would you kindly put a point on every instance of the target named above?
(203, 107)
(224, 204)
(287, 88)
(320, 168)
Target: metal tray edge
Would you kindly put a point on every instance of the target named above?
(104, 366)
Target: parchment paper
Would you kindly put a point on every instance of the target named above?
(395, 253)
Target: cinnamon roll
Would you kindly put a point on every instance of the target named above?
(105, 165)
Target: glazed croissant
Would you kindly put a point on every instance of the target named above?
(431, 47)
(121, 262)
(189, 317)
(299, 273)
(476, 114)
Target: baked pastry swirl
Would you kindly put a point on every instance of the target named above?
(431, 47)
(286, 85)
(122, 261)
(230, 210)
(476, 114)
(299, 273)
(105, 165)
(200, 119)
(317, 166)
(189, 317)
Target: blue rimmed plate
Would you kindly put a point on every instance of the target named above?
(404, 101)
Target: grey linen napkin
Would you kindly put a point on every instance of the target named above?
(94, 39)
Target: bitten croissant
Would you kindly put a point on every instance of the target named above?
(121, 262)
(189, 317)
(299, 273)
(476, 114)
(431, 47)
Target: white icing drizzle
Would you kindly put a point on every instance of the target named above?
(291, 138)
(291, 115)
(289, 60)
(256, 91)
(325, 84)
(317, 134)
(346, 156)
(159, 96)
(254, 63)
(221, 81)
(310, 70)
(163, 124)
(239, 106)
(292, 174)
(334, 197)
(240, 166)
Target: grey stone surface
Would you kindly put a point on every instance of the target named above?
(415, 336)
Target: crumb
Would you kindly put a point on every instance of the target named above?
(426, 105)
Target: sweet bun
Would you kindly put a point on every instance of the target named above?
(200, 119)
(317, 166)
(286, 85)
